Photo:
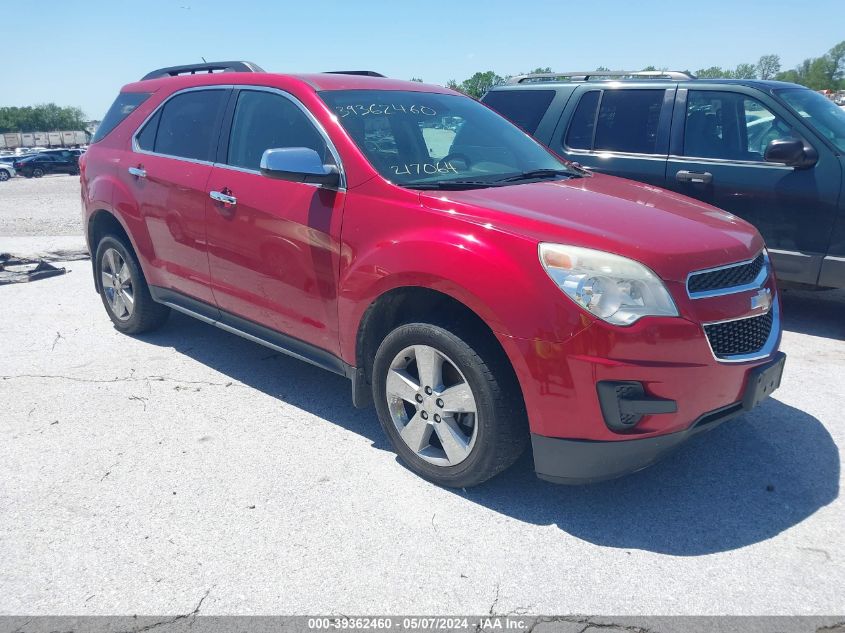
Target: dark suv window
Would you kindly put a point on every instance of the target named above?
(524, 107)
(265, 120)
(627, 121)
(580, 133)
(187, 126)
(729, 126)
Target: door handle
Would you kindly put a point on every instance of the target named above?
(138, 172)
(221, 196)
(700, 177)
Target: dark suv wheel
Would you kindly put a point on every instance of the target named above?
(452, 410)
(37, 172)
(124, 289)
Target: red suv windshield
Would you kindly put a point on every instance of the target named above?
(427, 138)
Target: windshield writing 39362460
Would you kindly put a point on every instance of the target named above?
(364, 109)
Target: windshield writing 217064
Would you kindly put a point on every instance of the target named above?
(408, 169)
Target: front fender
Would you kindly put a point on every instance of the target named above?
(495, 274)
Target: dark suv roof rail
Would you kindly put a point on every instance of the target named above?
(208, 67)
(675, 75)
(363, 73)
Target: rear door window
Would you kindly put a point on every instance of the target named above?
(524, 107)
(583, 125)
(189, 125)
(617, 121)
(628, 121)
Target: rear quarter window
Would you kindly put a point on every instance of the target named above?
(524, 107)
(189, 124)
(123, 106)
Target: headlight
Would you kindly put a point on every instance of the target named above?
(615, 289)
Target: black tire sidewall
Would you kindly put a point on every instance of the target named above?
(4, 175)
(37, 173)
(477, 466)
(139, 284)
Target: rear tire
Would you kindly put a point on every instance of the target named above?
(124, 290)
(4, 175)
(458, 425)
(37, 172)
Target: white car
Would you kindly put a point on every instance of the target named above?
(7, 172)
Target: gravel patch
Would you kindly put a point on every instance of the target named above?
(40, 206)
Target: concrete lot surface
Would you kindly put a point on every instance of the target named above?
(40, 206)
(190, 468)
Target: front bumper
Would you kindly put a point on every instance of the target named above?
(566, 461)
(574, 461)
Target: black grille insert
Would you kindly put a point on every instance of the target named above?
(724, 278)
(744, 336)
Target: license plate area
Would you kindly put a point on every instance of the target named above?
(762, 381)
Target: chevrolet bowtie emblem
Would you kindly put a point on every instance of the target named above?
(762, 300)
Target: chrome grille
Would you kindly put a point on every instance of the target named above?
(726, 279)
(739, 337)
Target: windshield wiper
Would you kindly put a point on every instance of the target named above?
(452, 184)
(538, 173)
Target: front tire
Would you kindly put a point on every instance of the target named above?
(449, 404)
(4, 175)
(124, 289)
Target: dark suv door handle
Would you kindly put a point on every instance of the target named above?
(702, 177)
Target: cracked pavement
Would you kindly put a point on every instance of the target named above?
(189, 468)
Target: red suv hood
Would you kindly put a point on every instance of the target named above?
(671, 234)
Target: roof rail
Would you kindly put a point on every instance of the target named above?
(675, 75)
(208, 67)
(365, 73)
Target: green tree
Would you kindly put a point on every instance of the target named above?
(41, 118)
(714, 72)
(745, 71)
(454, 85)
(819, 73)
(768, 66)
(480, 83)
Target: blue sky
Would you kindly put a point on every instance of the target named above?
(81, 52)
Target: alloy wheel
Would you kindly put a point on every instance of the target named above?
(432, 405)
(116, 280)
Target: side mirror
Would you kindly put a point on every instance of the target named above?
(298, 164)
(791, 152)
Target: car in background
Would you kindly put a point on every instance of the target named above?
(7, 172)
(46, 163)
(770, 152)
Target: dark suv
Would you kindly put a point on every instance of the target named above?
(767, 151)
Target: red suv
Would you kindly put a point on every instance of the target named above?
(476, 288)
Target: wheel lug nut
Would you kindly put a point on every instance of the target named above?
(424, 415)
(440, 402)
(428, 391)
(419, 397)
(436, 418)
